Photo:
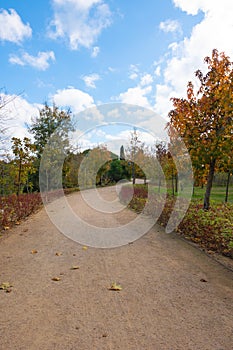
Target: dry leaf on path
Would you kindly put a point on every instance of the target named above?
(115, 286)
(56, 279)
(85, 248)
(34, 251)
(6, 286)
(58, 253)
(75, 267)
(203, 280)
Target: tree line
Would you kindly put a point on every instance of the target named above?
(203, 121)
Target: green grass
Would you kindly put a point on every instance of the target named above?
(218, 193)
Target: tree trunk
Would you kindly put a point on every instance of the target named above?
(176, 183)
(133, 174)
(19, 178)
(227, 186)
(209, 184)
(173, 186)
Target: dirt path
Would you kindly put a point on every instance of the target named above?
(163, 305)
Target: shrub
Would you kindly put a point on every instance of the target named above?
(212, 230)
(14, 209)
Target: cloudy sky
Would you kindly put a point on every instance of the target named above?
(85, 53)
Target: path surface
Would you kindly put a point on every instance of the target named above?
(163, 305)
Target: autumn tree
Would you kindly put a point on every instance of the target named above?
(160, 150)
(204, 120)
(134, 151)
(7, 176)
(23, 160)
(94, 166)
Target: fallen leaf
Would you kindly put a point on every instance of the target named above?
(6, 228)
(17, 223)
(203, 280)
(56, 279)
(115, 286)
(75, 267)
(58, 253)
(5, 286)
(34, 251)
(85, 248)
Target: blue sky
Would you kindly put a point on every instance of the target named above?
(84, 53)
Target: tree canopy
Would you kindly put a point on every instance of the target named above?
(204, 120)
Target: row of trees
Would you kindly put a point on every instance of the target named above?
(203, 120)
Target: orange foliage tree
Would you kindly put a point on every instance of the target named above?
(204, 120)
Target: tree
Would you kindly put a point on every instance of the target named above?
(7, 176)
(133, 150)
(161, 156)
(204, 120)
(23, 152)
(122, 153)
(93, 167)
(49, 121)
(4, 121)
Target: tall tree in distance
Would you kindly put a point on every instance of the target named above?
(50, 119)
(23, 152)
(204, 119)
(122, 153)
(42, 127)
(135, 144)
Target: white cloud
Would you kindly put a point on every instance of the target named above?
(95, 51)
(192, 7)
(79, 21)
(146, 79)
(213, 32)
(133, 71)
(76, 99)
(91, 79)
(12, 28)
(111, 69)
(157, 71)
(20, 113)
(136, 96)
(41, 61)
(170, 26)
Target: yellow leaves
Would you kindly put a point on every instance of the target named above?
(85, 248)
(58, 253)
(115, 287)
(74, 267)
(6, 286)
(34, 251)
(6, 228)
